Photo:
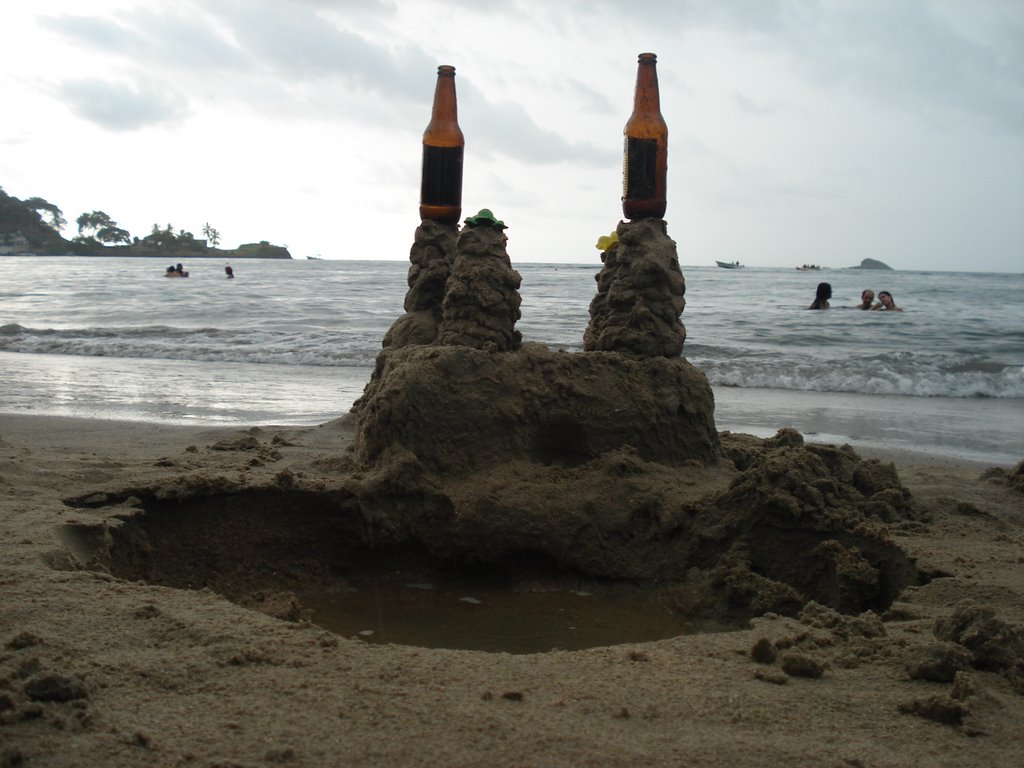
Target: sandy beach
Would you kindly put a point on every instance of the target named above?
(101, 670)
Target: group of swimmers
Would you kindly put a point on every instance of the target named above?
(176, 270)
(885, 301)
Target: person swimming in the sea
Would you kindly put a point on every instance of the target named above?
(886, 303)
(867, 299)
(824, 293)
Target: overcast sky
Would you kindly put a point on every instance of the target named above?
(800, 131)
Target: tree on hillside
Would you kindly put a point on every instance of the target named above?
(22, 218)
(186, 239)
(51, 215)
(99, 227)
(166, 238)
(211, 234)
(161, 238)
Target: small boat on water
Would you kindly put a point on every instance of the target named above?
(809, 268)
(314, 258)
(729, 264)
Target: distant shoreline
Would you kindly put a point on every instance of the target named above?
(162, 256)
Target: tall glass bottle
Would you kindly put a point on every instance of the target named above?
(645, 151)
(443, 144)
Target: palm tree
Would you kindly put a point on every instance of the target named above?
(211, 234)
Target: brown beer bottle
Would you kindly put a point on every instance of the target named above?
(443, 144)
(645, 151)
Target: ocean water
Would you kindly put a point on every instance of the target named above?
(293, 342)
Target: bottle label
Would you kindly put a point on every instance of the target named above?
(639, 159)
(442, 176)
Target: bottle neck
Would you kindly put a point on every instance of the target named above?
(646, 97)
(445, 109)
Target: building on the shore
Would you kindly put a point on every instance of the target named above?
(11, 244)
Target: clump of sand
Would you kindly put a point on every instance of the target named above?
(640, 294)
(431, 256)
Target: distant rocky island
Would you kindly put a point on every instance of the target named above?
(33, 227)
(871, 264)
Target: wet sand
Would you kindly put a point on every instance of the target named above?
(101, 670)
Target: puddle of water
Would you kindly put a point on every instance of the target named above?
(493, 619)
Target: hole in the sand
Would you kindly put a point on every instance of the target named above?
(295, 556)
(347, 561)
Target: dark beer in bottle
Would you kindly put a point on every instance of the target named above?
(645, 152)
(443, 144)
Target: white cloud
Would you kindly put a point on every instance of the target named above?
(120, 107)
(814, 131)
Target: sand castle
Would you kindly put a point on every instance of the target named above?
(474, 447)
(455, 385)
(482, 447)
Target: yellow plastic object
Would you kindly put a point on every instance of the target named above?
(604, 242)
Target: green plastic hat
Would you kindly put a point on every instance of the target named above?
(485, 219)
